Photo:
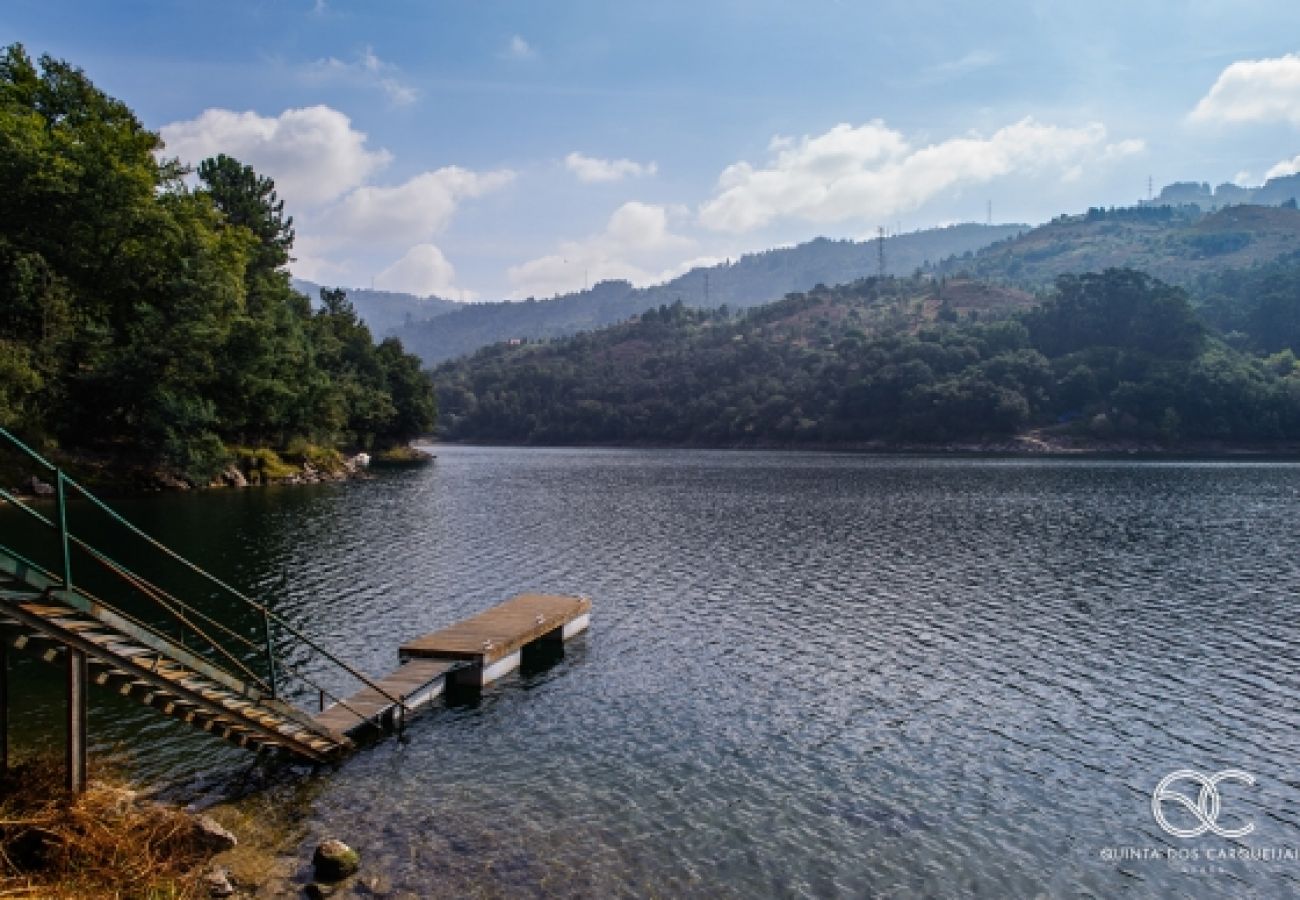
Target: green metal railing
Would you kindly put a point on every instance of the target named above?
(184, 615)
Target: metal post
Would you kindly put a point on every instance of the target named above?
(63, 531)
(4, 701)
(76, 721)
(76, 662)
(270, 653)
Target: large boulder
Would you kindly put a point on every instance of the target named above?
(335, 860)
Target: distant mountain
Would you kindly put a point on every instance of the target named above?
(1179, 245)
(1274, 192)
(384, 311)
(752, 280)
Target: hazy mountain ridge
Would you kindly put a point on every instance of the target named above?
(751, 280)
(1273, 192)
(384, 312)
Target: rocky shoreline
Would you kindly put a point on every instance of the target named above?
(247, 468)
(116, 840)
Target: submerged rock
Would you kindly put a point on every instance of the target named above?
(335, 860)
(40, 488)
(210, 834)
(218, 883)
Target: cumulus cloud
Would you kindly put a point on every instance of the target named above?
(324, 171)
(313, 154)
(518, 48)
(414, 210)
(1285, 167)
(871, 171)
(635, 245)
(423, 270)
(366, 69)
(593, 169)
(1254, 90)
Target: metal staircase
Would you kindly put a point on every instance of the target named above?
(183, 662)
(167, 678)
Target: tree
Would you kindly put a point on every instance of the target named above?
(249, 200)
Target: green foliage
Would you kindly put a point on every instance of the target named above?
(1258, 307)
(138, 313)
(261, 464)
(1116, 354)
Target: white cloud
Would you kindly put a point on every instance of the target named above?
(637, 244)
(412, 211)
(1126, 147)
(1254, 90)
(1285, 167)
(592, 169)
(971, 62)
(366, 69)
(870, 171)
(312, 261)
(423, 270)
(518, 48)
(313, 154)
(323, 169)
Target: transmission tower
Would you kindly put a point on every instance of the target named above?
(880, 249)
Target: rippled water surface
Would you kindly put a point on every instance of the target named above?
(808, 675)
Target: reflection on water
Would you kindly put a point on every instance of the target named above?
(807, 675)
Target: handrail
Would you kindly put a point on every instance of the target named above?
(268, 614)
(151, 591)
(51, 578)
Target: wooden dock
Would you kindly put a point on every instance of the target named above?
(470, 654)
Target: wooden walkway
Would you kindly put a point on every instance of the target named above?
(415, 685)
(470, 654)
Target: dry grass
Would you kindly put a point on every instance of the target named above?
(104, 844)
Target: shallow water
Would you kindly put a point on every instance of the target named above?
(814, 675)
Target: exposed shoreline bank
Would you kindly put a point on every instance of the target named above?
(123, 473)
(1028, 444)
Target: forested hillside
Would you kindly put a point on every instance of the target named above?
(752, 280)
(1115, 354)
(1175, 244)
(146, 318)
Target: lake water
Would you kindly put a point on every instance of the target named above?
(808, 675)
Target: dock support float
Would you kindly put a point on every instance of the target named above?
(466, 656)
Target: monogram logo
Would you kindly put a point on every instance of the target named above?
(1205, 808)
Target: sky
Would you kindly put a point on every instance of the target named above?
(493, 149)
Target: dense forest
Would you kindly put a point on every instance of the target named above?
(143, 315)
(1106, 355)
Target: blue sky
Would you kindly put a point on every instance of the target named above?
(483, 149)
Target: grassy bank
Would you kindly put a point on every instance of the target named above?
(108, 842)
